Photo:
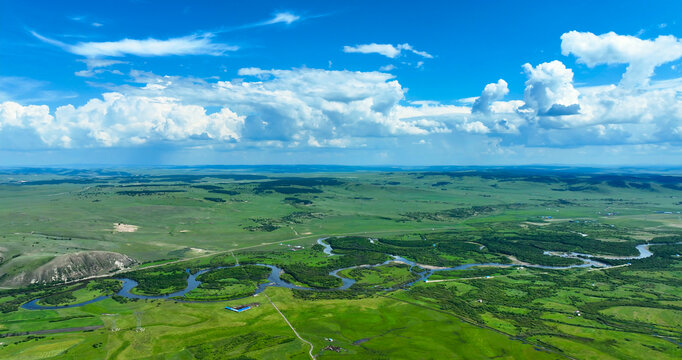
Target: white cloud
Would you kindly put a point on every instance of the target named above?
(94, 67)
(641, 56)
(186, 45)
(475, 127)
(409, 47)
(98, 63)
(283, 17)
(335, 108)
(549, 89)
(388, 67)
(387, 50)
(492, 92)
(118, 120)
(298, 108)
(29, 127)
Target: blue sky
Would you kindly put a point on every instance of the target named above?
(342, 82)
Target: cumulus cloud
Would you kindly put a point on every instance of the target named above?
(118, 120)
(292, 107)
(387, 50)
(476, 127)
(293, 104)
(608, 115)
(641, 56)
(549, 89)
(492, 92)
(186, 45)
(298, 108)
(29, 127)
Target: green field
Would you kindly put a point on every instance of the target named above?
(175, 222)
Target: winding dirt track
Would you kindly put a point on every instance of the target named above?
(292, 328)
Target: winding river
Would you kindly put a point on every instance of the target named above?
(275, 280)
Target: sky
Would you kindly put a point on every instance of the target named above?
(340, 82)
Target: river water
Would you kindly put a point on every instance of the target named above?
(275, 280)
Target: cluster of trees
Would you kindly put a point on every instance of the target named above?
(226, 192)
(525, 251)
(215, 189)
(59, 298)
(447, 215)
(155, 281)
(268, 224)
(391, 276)
(313, 276)
(297, 201)
(21, 295)
(318, 276)
(295, 185)
(262, 224)
(529, 245)
(663, 257)
(244, 273)
(107, 286)
(421, 251)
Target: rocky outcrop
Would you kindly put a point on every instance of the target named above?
(73, 267)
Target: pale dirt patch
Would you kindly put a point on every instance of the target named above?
(536, 223)
(516, 261)
(120, 227)
(307, 233)
(431, 267)
(184, 231)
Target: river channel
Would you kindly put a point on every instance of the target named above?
(274, 278)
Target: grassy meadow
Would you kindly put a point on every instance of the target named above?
(173, 220)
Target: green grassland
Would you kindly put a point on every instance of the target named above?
(82, 292)
(386, 276)
(195, 219)
(229, 283)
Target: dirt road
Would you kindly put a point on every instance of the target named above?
(292, 328)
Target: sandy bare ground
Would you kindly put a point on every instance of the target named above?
(516, 261)
(120, 227)
(431, 267)
(459, 279)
